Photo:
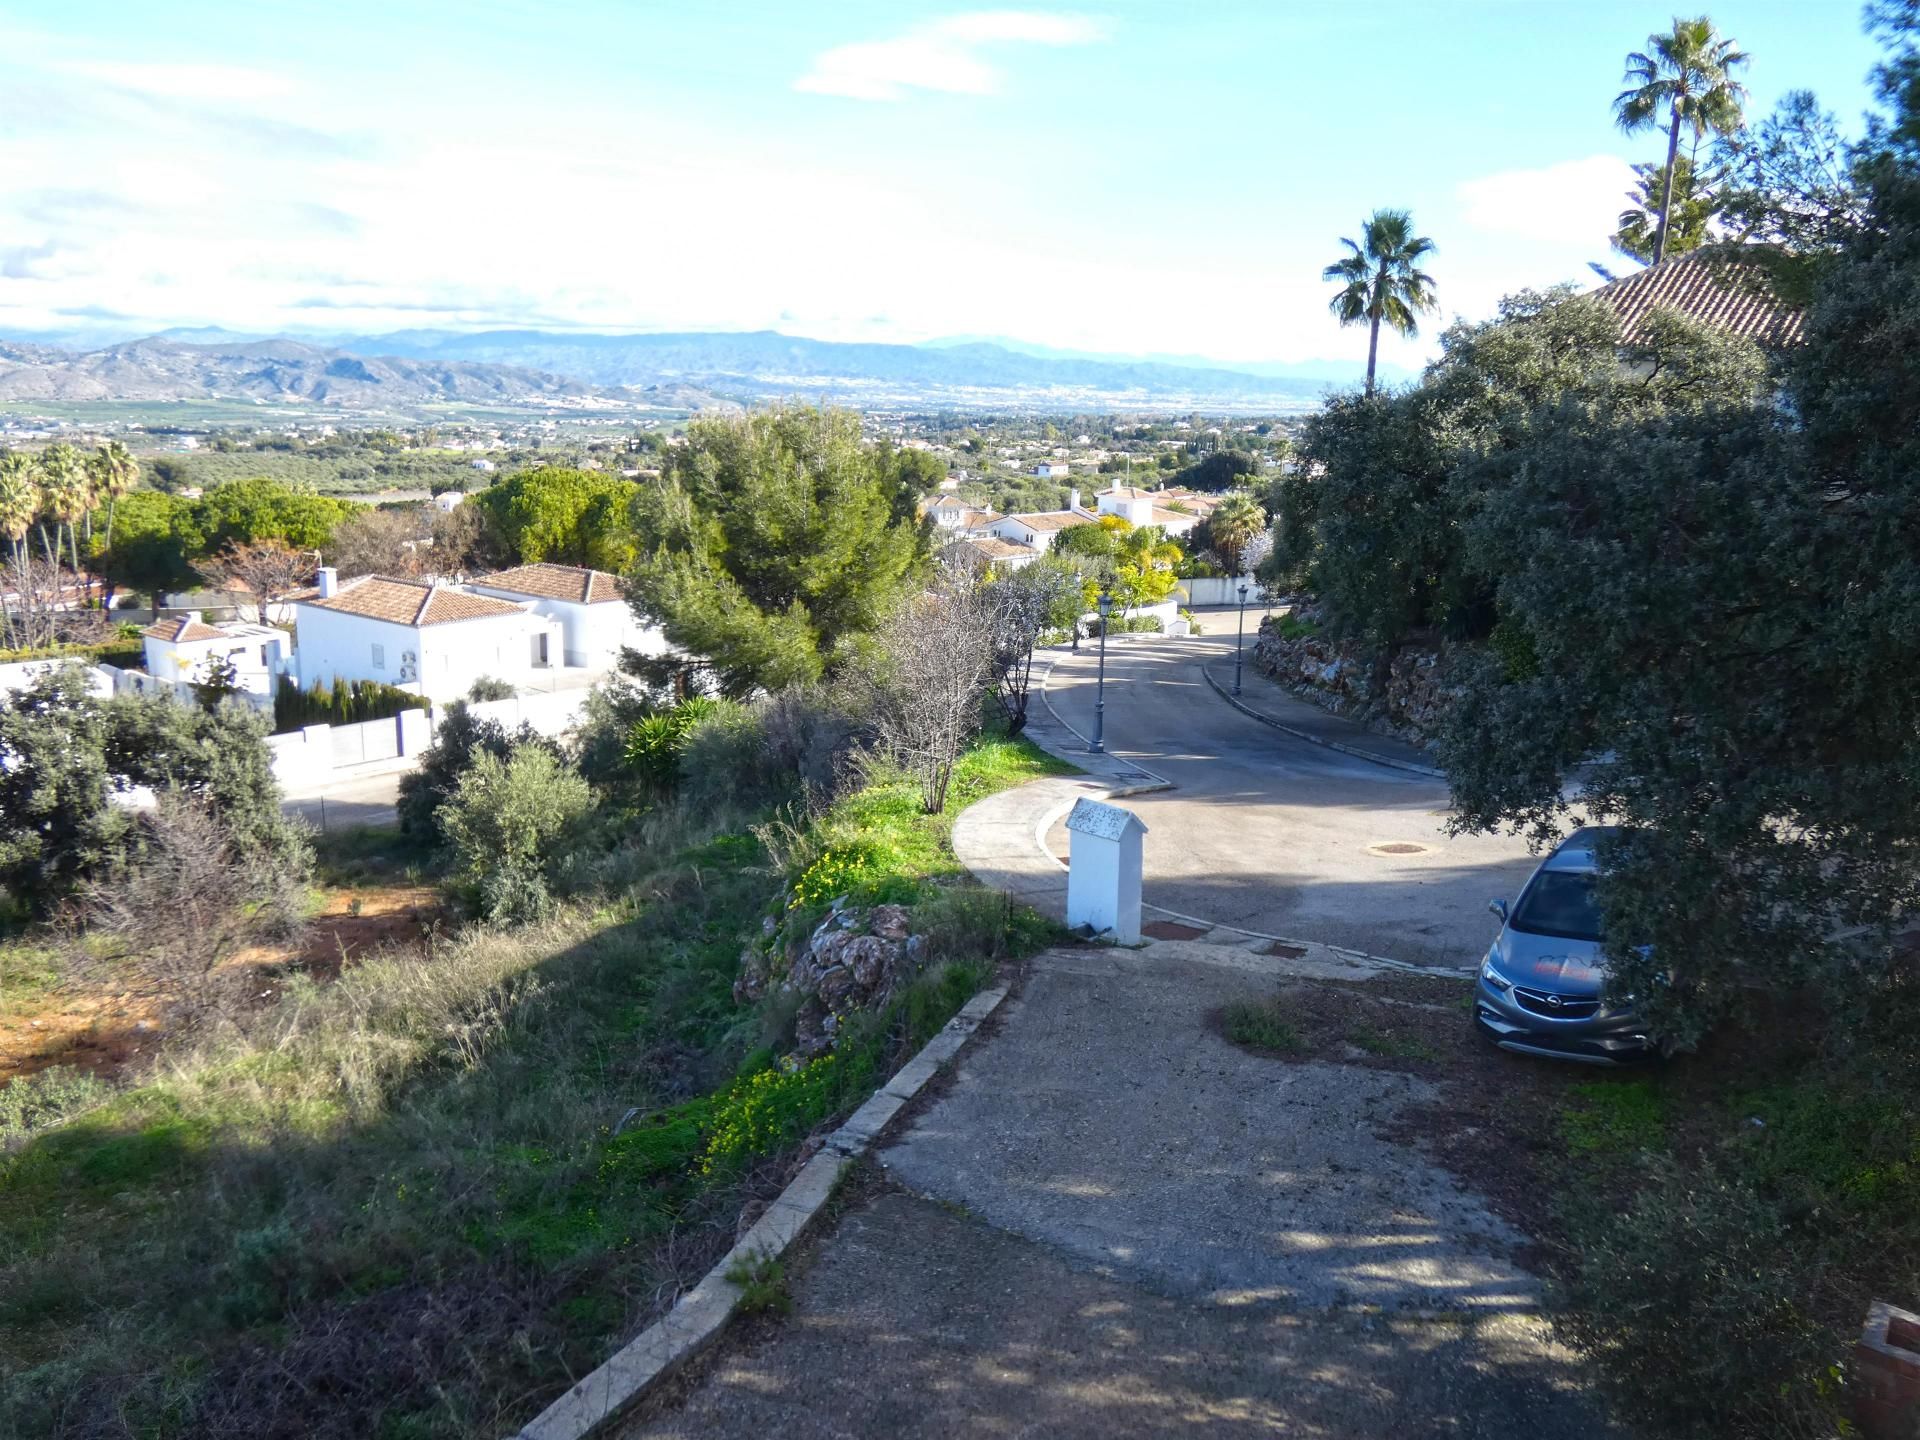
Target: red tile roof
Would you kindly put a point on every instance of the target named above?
(555, 582)
(181, 630)
(1052, 519)
(1705, 286)
(406, 602)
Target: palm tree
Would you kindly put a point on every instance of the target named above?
(19, 500)
(66, 493)
(1381, 279)
(1686, 78)
(115, 472)
(1235, 521)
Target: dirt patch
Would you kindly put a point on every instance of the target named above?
(1171, 930)
(107, 1034)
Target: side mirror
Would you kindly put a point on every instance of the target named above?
(1498, 907)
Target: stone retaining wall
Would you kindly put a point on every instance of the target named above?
(1340, 677)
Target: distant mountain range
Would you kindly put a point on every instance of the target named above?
(758, 364)
(281, 371)
(569, 368)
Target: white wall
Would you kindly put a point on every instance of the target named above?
(449, 657)
(330, 645)
(19, 674)
(1220, 590)
(593, 634)
(499, 647)
(308, 759)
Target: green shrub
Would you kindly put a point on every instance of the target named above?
(487, 688)
(345, 702)
(1513, 645)
(1261, 1025)
(33, 1102)
(460, 738)
(655, 744)
(1693, 1297)
(1289, 627)
(502, 816)
(763, 1285)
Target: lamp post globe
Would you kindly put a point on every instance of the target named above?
(1098, 746)
(1240, 638)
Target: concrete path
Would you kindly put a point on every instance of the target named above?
(1268, 832)
(1115, 1223)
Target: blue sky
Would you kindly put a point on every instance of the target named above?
(1142, 178)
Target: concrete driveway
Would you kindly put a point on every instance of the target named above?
(1266, 832)
(1115, 1223)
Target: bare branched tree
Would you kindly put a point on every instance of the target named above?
(38, 606)
(162, 924)
(927, 679)
(1021, 606)
(268, 569)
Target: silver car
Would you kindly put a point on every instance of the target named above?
(1540, 986)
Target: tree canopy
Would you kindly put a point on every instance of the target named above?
(570, 517)
(1381, 282)
(774, 543)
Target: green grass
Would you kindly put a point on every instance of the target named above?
(763, 1285)
(1261, 1025)
(501, 1154)
(1289, 628)
(1615, 1119)
(1390, 1044)
(29, 975)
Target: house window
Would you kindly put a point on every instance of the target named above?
(379, 657)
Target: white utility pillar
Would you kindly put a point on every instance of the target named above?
(1103, 870)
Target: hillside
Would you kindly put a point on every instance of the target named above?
(279, 371)
(762, 363)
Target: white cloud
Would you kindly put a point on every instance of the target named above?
(942, 56)
(1576, 201)
(238, 83)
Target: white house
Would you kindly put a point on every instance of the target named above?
(952, 515)
(1037, 532)
(447, 501)
(1050, 469)
(595, 620)
(179, 650)
(1144, 507)
(429, 638)
(995, 553)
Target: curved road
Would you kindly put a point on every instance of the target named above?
(1269, 833)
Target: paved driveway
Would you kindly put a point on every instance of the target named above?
(1117, 1224)
(1270, 833)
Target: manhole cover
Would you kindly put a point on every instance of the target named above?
(1399, 847)
(1171, 930)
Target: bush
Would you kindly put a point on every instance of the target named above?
(33, 1102)
(655, 743)
(349, 702)
(487, 688)
(500, 819)
(461, 737)
(1693, 1298)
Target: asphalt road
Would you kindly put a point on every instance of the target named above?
(1269, 833)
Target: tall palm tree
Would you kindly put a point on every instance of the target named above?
(66, 492)
(1381, 279)
(115, 472)
(1235, 521)
(19, 500)
(1684, 77)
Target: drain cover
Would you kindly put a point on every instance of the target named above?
(1399, 847)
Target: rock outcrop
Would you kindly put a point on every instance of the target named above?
(853, 960)
(1343, 677)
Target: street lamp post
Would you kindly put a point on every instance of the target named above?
(1100, 687)
(1240, 640)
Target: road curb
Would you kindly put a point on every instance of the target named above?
(1355, 751)
(700, 1316)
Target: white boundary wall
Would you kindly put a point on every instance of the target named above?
(1221, 590)
(311, 756)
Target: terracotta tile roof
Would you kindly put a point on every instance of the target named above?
(1700, 287)
(1052, 520)
(555, 582)
(406, 602)
(1163, 516)
(1127, 492)
(182, 630)
(994, 548)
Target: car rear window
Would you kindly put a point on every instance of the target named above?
(1562, 903)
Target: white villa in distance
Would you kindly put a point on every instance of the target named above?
(1145, 507)
(180, 650)
(525, 626)
(1051, 469)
